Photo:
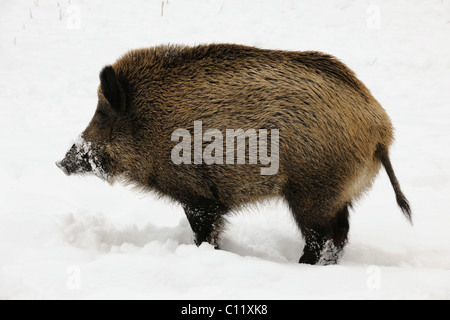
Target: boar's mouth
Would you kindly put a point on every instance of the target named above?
(73, 165)
(82, 158)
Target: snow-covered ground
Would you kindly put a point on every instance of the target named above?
(76, 238)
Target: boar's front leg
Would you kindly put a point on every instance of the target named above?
(206, 218)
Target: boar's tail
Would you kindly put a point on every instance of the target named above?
(403, 203)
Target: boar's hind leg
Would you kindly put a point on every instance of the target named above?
(206, 218)
(325, 235)
(336, 238)
(325, 240)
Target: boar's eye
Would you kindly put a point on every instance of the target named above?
(101, 115)
(104, 119)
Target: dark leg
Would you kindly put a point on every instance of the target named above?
(334, 246)
(326, 240)
(324, 230)
(315, 241)
(341, 228)
(206, 218)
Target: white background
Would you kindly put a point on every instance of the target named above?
(78, 237)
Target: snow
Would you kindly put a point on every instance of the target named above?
(84, 149)
(78, 238)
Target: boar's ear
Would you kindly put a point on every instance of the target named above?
(112, 89)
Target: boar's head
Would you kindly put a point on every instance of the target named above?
(104, 146)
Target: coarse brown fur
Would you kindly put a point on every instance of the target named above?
(334, 135)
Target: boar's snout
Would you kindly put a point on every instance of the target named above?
(75, 161)
(62, 165)
(84, 158)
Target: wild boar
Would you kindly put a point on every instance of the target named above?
(331, 136)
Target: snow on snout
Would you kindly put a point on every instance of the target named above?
(85, 150)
